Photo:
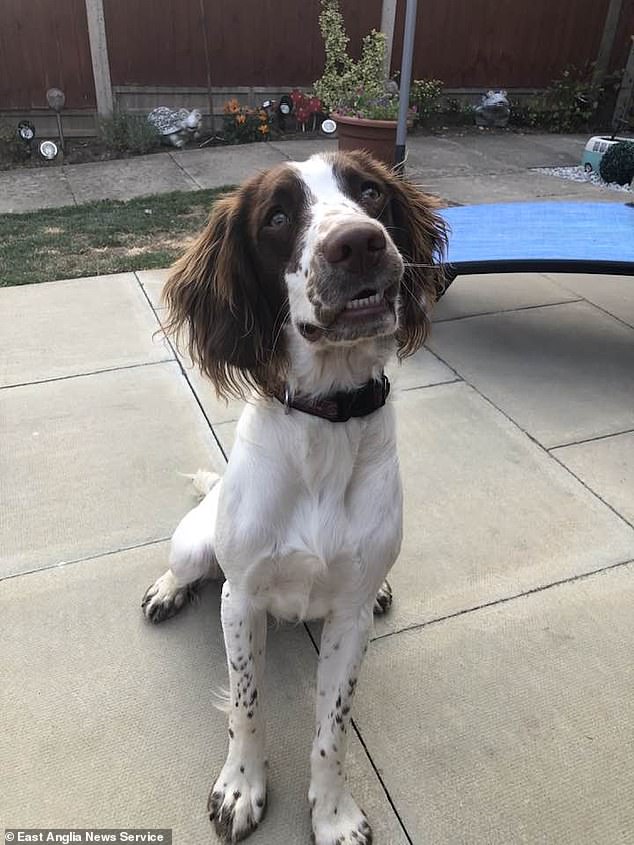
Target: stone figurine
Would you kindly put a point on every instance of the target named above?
(494, 109)
(176, 127)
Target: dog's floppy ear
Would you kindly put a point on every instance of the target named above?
(421, 237)
(228, 315)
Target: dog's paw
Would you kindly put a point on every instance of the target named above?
(166, 598)
(237, 801)
(339, 821)
(383, 600)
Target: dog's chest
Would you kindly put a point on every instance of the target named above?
(317, 525)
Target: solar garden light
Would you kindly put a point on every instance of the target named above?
(56, 99)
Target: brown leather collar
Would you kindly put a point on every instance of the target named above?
(341, 406)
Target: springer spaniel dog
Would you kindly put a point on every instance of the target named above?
(306, 280)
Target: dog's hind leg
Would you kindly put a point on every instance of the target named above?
(192, 559)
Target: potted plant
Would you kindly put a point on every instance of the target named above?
(360, 98)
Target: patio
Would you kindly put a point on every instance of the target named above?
(494, 706)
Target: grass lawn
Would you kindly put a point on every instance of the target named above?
(100, 237)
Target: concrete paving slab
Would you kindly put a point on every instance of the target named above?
(64, 328)
(607, 467)
(125, 179)
(564, 373)
(488, 514)
(419, 370)
(510, 724)
(226, 434)
(615, 294)
(109, 721)
(219, 166)
(485, 294)
(152, 282)
(91, 464)
(484, 152)
(300, 149)
(520, 186)
(27, 190)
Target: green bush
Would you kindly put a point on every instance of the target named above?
(131, 133)
(12, 149)
(617, 165)
(425, 98)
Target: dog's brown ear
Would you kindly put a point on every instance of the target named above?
(222, 310)
(421, 237)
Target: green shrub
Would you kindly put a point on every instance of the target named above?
(131, 133)
(617, 165)
(352, 88)
(425, 98)
(12, 149)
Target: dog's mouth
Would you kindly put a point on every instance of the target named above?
(367, 303)
(368, 312)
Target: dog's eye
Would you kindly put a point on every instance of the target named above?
(370, 191)
(277, 219)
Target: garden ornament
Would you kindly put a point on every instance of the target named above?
(176, 127)
(494, 110)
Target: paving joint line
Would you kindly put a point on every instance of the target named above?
(506, 599)
(91, 373)
(506, 311)
(197, 184)
(426, 386)
(534, 440)
(369, 756)
(184, 373)
(591, 439)
(589, 301)
(62, 564)
(67, 182)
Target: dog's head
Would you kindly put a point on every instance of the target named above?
(337, 249)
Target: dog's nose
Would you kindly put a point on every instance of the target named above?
(355, 247)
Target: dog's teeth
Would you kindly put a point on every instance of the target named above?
(375, 299)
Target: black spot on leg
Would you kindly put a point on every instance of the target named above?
(231, 733)
(242, 769)
(237, 794)
(345, 710)
(322, 752)
(250, 714)
(338, 702)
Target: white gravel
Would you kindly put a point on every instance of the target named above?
(578, 174)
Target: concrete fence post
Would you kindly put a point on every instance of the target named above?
(99, 57)
(388, 17)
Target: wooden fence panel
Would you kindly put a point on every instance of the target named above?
(251, 42)
(502, 43)
(466, 43)
(44, 44)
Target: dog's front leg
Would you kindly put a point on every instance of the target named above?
(237, 799)
(335, 815)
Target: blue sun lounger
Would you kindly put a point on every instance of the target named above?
(537, 237)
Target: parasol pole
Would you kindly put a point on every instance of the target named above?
(406, 78)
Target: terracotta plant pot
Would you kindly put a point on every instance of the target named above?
(378, 137)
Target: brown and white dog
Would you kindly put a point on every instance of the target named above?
(306, 280)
